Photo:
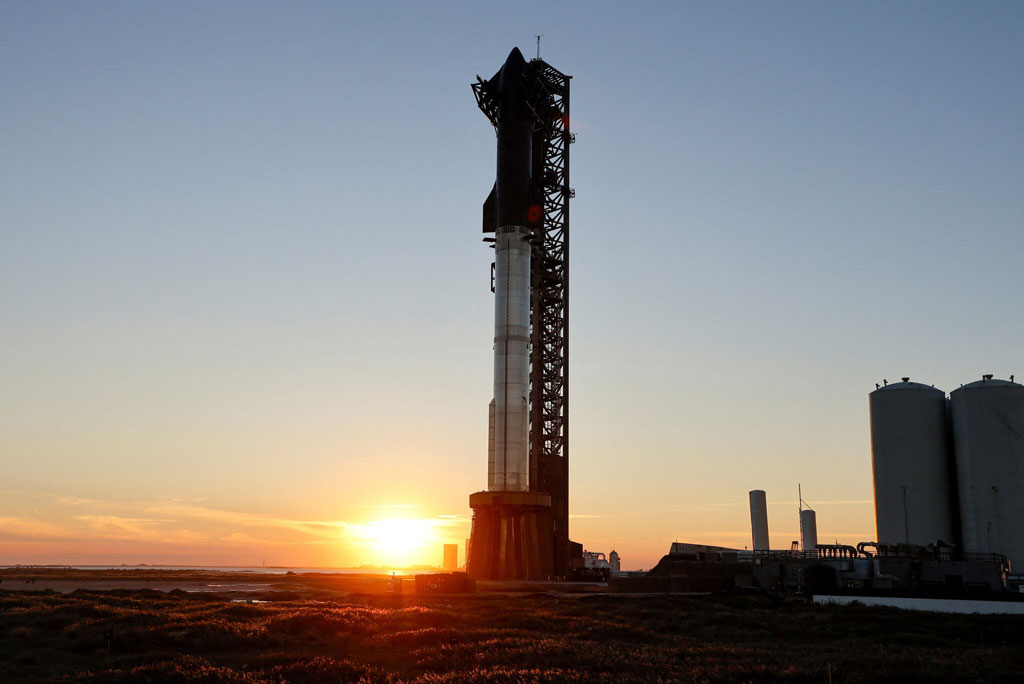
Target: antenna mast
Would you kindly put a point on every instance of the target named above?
(800, 515)
(538, 37)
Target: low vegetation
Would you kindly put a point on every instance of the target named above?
(158, 637)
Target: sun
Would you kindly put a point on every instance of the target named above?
(401, 542)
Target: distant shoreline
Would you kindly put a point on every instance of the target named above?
(269, 569)
(237, 582)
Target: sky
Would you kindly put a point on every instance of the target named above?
(245, 313)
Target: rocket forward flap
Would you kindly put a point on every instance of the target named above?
(534, 209)
(491, 211)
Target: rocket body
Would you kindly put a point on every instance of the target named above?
(509, 468)
(508, 211)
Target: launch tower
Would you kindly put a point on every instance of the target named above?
(521, 523)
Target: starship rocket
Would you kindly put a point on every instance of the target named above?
(513, 213)
(521, 522)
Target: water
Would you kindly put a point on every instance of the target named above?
(229, 568)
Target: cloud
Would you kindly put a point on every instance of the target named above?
(717, 506)
(193, 529)
(81, 501)
(385, 506)
(117, 527)
(26, 529)
(327, 530)
(836, 502)
(242, 539)
(730, 534)
(171, 521)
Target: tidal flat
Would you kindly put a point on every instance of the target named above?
(330, 629)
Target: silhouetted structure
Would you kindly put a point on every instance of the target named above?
(521, 523)
(451, 557)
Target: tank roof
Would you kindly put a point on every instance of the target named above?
(907, 385)
(988, 381)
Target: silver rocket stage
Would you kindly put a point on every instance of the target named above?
(508, 448)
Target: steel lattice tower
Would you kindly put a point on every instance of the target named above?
(549, 312)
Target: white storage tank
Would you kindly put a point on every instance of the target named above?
(988, 435)
(912, 464)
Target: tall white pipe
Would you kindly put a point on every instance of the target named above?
(759, 519)
(508, 465)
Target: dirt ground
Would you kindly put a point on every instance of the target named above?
(187, 626)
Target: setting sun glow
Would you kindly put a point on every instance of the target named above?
(402, 542)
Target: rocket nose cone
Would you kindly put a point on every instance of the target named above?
(512, 75)
(515, 58)
(515, 66)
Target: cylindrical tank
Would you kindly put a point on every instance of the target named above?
(808, 530)
(912, 461)
(759, 520)
(613, 561)
(988, 435)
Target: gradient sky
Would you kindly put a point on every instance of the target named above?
(244, 303)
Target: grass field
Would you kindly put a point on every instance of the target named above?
(330, 632)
